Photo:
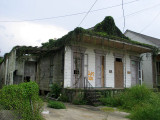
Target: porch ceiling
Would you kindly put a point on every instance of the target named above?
(115, 44)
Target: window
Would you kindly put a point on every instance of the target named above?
(118, 59)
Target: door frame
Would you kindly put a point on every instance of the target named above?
(80, 50)
(137, 59)
(101, 53)
(121, 56)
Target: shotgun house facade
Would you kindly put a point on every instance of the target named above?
(99, 57)
(150, 64)
(102, 63)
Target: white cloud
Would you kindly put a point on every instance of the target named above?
(27, 33)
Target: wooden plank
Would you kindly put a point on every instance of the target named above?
(119, 81)
(102, 71)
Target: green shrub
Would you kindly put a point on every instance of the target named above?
(111, 101)
(139, 100)
(147, 111)
(55, 90)
(56, 105)
(79, 99)
(23, 99)
(136, 95)
(64, 98)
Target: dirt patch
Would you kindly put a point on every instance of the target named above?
(82, 112)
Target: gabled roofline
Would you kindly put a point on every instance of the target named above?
(142, 35)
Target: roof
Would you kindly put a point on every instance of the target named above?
(153, 40)
(105, 29)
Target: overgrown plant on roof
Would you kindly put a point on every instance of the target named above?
(106, 29)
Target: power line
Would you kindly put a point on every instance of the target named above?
(87, 13)
(150, 22)
(142, 10)
(68, 15)
(123, 17)
(147, 25)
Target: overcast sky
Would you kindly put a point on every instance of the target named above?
(141, 16)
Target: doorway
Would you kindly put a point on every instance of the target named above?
(119, 78)
(100, 80)
(77, 81)
(134, 72)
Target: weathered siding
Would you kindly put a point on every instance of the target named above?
(147, 69)
(91, 64)
(109, 66)
(44, 73)
(67, 67)
(110, 69)
(2, 74)
(10, 67)
(50, 70)
(127, 71)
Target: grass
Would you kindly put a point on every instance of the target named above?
(56, 105)
(107, 109)
(142, 103)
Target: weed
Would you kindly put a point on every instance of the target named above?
(56, 105)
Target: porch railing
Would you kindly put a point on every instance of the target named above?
(87, 84)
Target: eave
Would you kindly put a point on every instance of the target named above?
(110, 43)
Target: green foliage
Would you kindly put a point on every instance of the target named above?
(56, 105)
(1, 59)
(23, 99)
(108, 26)
(106, 29)
(79, 99)
(55, 90)
(111, 101)
(64, 98)
(139, 100)
(49, 44)
(149, 110)
(135, 95)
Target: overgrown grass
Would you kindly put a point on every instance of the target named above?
(79, 99)
(56, 105)
(142, 103)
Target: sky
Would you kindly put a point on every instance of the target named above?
(32, 22)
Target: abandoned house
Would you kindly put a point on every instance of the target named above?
(100, 57)
(150, 65)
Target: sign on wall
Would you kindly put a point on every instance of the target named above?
(90, 75)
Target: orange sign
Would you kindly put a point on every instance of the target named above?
(90, 75)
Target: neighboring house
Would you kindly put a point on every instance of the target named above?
(150, 66)
(100, 57)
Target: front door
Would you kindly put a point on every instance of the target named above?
(77, 70)
(119, 81)
(99, 71)
(134, 72)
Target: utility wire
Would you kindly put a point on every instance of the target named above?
(123, 17)
(142, 10)
(87, 13)
(150, 22)
(68, 15)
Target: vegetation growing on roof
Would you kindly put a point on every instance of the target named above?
(1, 59)
(106, 29)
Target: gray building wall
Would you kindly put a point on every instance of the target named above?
(50, 70)
(146, 61)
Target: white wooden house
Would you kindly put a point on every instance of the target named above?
(100, 57)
